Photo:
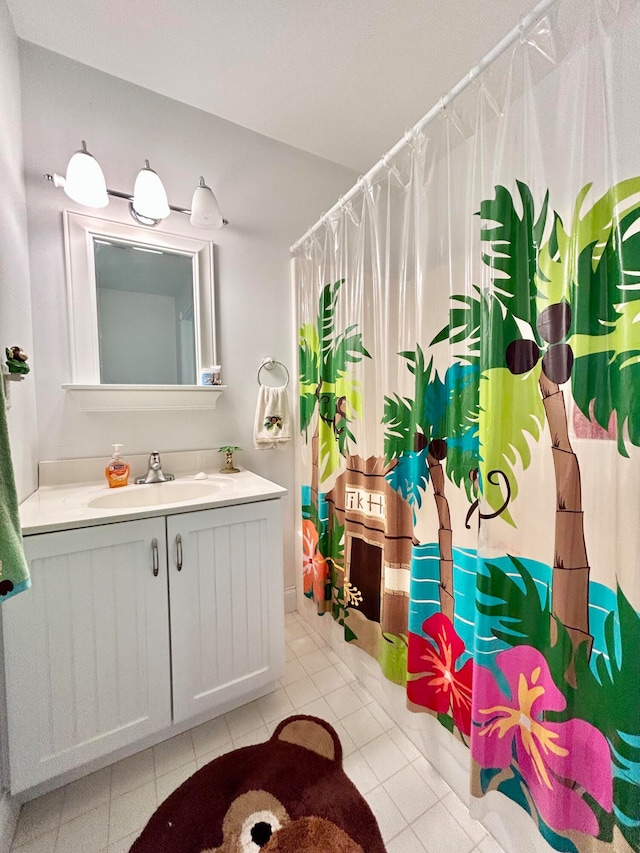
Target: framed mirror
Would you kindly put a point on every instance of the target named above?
(141, 304)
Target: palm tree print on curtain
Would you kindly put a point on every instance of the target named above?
(592, 343)
(561, 308)
(330, 400)
(439, 424)
(543, 686)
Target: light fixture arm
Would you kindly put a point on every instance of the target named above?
(58, 181)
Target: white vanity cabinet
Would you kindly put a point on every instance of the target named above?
(133, 628)
(227, 613)
(86, 648)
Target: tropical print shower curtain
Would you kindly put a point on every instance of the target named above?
(469, 375)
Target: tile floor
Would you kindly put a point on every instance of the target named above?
(416, 810)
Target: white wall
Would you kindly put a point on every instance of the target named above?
(270, 192)
(15, 296)
(15, 322)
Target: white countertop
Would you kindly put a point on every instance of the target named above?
(62, 507)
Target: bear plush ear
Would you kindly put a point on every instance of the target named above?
(311, 733)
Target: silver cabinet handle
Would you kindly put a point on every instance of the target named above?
(179, 552)
(155, 562)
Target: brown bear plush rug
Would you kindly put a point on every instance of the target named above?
(288, 795)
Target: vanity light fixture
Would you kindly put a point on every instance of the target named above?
(85, 184)
(149, 205)
(205, 211)
(85, 181)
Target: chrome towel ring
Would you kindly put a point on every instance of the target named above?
(269, 363)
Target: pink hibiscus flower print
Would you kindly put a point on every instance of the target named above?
(556, 760)
(315, 569)
(437, 684)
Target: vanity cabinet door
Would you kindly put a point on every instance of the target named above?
(227, 613)
(86, 648)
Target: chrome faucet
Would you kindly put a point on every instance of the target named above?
(155, 474)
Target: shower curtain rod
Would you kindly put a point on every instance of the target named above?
(530, 19)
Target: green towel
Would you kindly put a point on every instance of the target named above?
(14, 571)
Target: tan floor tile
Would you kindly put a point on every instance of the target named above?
(132, 772)
(39, 816)
(173, 753)
(124, 845)
(86, 794)
(43, 844)
(210, 736)
(167, 784)
(244, 720)
(131, 811)
(88, 833)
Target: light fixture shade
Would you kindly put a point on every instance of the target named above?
(205, 212)
(85, 181)
(149, 195)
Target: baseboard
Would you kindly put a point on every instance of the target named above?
(9, 813)
(290, 600)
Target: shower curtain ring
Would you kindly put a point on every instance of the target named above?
(409, 135)
(523, 37)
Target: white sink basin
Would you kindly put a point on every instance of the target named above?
(157, 494)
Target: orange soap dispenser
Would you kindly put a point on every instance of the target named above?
(117, 471)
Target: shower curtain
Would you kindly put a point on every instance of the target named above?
(469, 376)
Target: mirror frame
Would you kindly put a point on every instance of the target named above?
(79, 233)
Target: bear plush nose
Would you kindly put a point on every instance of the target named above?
(261, 833)
(311, 835)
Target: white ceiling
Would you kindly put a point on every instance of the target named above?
(342, 79)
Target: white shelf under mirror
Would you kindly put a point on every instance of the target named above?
(145, 398)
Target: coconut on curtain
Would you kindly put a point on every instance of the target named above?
(470, 418)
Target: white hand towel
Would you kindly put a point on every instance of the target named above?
(273, 423)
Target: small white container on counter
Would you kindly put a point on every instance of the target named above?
(206, 376)
(210, 375)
